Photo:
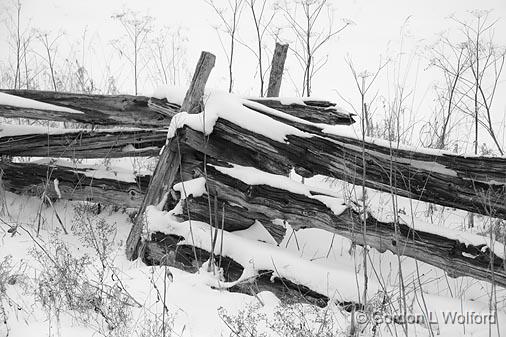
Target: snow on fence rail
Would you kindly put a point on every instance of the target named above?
(247, 195)
(476, 184)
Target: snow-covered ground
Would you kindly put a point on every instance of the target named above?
(63, 269)
(194, 308)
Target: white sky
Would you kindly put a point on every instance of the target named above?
(376, 33)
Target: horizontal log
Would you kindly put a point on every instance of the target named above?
(246, 203)
(316, 111)
(100, 143)
(120, 110)
(265, 203)
(74, 183)
(145, 112)
(165, 250)
(475, 184)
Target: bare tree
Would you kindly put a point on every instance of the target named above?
(50, 49)
(262, 21)
(168, 50)
(311, 34)
(453, 62)
(17, 75)
(486, 65)
(19, 41)
(229, 17)
(137, 30)
(472, 69)
(364, 81)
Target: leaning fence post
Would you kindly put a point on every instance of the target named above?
(168, 164)
(277, 66)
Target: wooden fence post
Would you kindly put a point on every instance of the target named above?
(277, 66)
(168, 164)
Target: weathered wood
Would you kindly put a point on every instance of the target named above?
(74, 183)
(146, 112)
(277, 67)
(193, 98)
(245, 203)
(121, 110)
(266, 203)
(170, 158)
(165, 250)
(100, 143)
(476, 184)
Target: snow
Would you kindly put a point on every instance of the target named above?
(256, 232)
(98, 170)
(332, 283)
(380, 205)
(194, 187)
(21, 102)
(27, 317)
(56, 183)
(230, 107)
(10, 130)
(244, 113)
(195, 300)
(235, 109)
(337, 283)
(131, 148)
(171, 93)
(461, 236)
(322, 261)
(253, 176)
(176, 95)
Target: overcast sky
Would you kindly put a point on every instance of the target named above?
(375, 35)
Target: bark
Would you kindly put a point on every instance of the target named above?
(115, 110)
(74, 183)
(245, 203)
(476, 184)
(169, 162)
(146, 112)
(111, 143)
(277, 67)
(164, 250)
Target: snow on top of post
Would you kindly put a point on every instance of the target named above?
(171, 93)
(21, 102)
